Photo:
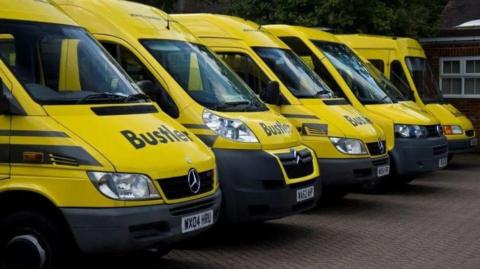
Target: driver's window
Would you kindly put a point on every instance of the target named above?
(7, 49)
(398, 77)
(311, 60)
(246, 68)
(130, 63)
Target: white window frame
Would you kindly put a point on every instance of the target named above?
(462, 75)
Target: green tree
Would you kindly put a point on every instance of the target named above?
(165, 5)
(388, 17)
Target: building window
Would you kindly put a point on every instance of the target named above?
(460, 77)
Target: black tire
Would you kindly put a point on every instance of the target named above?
(30, 240)
(450, 158)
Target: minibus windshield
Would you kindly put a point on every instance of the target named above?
(386, 84)
(354, 72)
(59, 64)
(424, 81)
(203, 76)
(300, 80)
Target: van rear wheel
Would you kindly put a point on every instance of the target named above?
(30, 240)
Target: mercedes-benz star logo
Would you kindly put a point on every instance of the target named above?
(380, 146)
(193, 179)
(296, 156)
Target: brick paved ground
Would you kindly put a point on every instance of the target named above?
(432, 223)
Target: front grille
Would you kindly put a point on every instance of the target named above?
(314, 129)
(440, 150)
(380, 162)
(432, 131)
(470, 133)
(297, 164)
(177, 187)
(192, 207)
(377, 148)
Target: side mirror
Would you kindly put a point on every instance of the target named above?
(159, 95)
(167, 104)
(271, 93)
(4, 102)
(148, 87)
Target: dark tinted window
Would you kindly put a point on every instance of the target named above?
(399, 79)
(300, 80)
(379, 64)
(60, 64)
(247, 69)
(311, 60)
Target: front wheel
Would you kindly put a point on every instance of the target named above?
(30, 240)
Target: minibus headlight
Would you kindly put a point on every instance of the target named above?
(349, 146)
(125, 187)
(452, 130)
(410, 131)
(229, 128)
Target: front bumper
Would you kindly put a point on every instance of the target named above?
(123, 230)
(254, 187)
(462, 145)
(348, 173)
(415, 156)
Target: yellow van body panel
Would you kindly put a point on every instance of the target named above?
(385, 115)
(389, 49)
(95, 143)
(231, 34)
(70, 75)
(53, 139)
(126, 25)
(89, 15)
(33, 10)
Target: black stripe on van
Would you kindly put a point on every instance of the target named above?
(300, 116)
(335, 102)
(65, 155)
(195, 126)
(209, 140)
(32, 133)
(124, 110)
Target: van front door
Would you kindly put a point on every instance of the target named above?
(5, 127)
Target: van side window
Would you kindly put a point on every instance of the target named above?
(246, 68)
(309, 58)
(398, 77)
(129, 62)
(379, 64)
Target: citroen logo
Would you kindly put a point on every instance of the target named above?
(380, 146)
(296, 156)
(193, 179)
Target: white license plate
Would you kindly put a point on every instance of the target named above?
(473, 142)
(305, 194)
(443, 162)
(197, 221)
(383, 170)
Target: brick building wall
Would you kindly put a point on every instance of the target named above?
(469, 106)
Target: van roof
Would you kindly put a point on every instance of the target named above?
(33, 10)
(206, 25)
(125, 19)
(304, 32)
(408, 46)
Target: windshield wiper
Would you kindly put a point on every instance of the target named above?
(101, 97)
(136, 97)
